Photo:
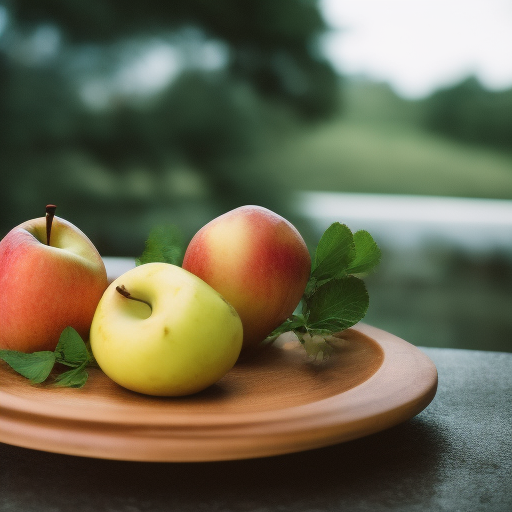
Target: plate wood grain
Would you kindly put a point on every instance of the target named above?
(271, 403)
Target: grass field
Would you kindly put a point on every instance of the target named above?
(350, 156)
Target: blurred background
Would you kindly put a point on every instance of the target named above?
(393, 116)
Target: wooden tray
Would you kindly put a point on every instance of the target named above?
(272, 403)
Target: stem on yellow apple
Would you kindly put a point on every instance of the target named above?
(50, 213)
(125, 293)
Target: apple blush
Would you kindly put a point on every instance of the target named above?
(257, 261)
(51, 277)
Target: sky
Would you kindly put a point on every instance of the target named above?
(418, 46)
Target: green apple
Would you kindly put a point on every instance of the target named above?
(160, 330)
(51, 277)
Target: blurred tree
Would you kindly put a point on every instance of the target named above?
(471, 113)
(74, 133)
(271, 43)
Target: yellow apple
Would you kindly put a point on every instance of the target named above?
(258, 261)
(160, 330)
(51, 277)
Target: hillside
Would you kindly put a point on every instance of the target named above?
(357, 156)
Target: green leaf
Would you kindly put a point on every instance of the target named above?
(367, 254)
(36, 366)
(75, 378)
(334, 253)
(164, 245)
(71, 349)
(337, 305)
(295, 322)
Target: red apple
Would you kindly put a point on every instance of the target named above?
(51, 277)
(257, 261)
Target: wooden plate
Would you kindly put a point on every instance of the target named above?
(272, 403)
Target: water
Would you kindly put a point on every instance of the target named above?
(475, 225)
(446, 274)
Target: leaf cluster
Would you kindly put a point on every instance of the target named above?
(164, 244)
(71, 351)
(335, 297)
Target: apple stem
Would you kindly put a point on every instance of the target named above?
(125, 293)
(50, 213)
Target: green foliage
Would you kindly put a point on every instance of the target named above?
(70, 351)
(75, 378)
(36, 366)
(335, 250)
(55, 147)
(473, 114)
(334, 299)
(337, 305)
(367, 254)
(164, 244)
(340, 253)
(270, 41)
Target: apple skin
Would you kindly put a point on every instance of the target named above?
(44, 289)
(187, 340)
(258, 261)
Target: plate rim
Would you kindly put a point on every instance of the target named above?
(295, 428)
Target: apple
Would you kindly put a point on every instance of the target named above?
(257, 261)
(51, 277)
(176, 336)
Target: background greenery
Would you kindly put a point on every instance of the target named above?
(267, 119)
